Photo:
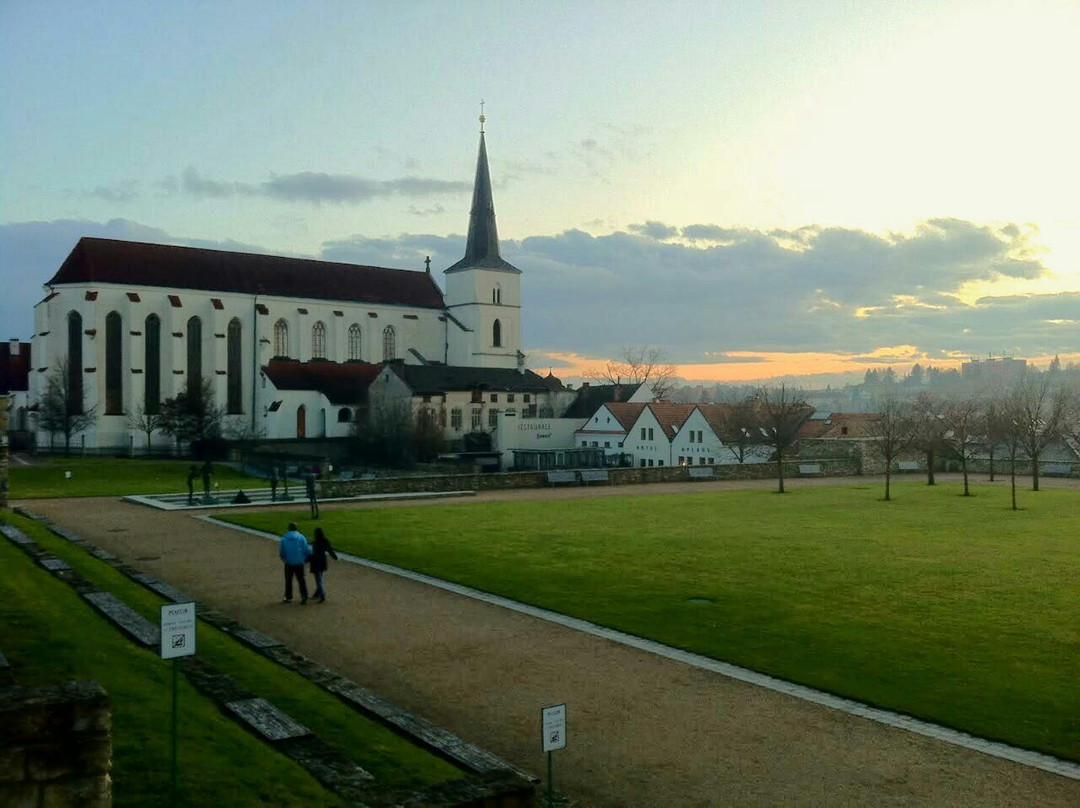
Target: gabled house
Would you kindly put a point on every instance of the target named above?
(461, 400)
(651, 435)
(608, 427)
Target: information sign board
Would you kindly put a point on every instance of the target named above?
(177, 630)
(553, 720)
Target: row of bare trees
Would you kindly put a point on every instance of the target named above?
(1015, 424)
(190, 417)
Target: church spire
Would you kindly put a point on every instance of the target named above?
(482, 247)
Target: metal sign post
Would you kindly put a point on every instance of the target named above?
(553, 731)
(177, 640)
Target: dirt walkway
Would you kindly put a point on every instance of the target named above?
(643, 731)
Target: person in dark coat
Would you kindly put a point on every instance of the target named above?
(312, 493)
(193, 472)
(319, 551)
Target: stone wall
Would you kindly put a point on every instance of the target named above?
(55, 745)
(5, 403)
(538, 479)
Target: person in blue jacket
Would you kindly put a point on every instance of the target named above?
(294, 551)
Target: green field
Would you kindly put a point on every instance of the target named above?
(956, 610)
(50, 636)
(105, 477)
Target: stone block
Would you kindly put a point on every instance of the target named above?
(12, 765)
(26, 795)
(51, 761)
(79, 792)
(266, 719)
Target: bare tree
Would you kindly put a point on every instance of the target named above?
(928, 430)
(963, 418)
(639, 365)
(890, 435)
(1038, 412)
(994, 426)
(1009, 413)
(781, 412)
(192, 415)
(740, 427)
(145, 421)
(62, 408)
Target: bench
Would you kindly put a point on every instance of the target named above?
(809, 468)
(595, 476)
(555, 477)
(908, 465)
(1056, 468)
(701, 472)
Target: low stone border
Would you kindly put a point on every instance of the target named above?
(223, 499)
(1025, 757)
(491, 780)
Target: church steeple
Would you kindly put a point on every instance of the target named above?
(482, 247)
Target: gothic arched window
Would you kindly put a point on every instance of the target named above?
(234, 386)
(114, 370)
(152, 369)
(354, 342)
(318, 341)
(389, 348)
(194, 355)
(496, 334)
(281, 338)
(75, 364)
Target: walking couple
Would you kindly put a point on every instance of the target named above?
(294, 551)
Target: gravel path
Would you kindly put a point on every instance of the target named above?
(643, 730)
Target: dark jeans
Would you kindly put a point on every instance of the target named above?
(298, 571)
(319, 591)
(314, 508)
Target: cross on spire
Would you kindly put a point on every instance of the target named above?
(427, 264)
(482, 118)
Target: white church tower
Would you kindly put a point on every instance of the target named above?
(483, 292)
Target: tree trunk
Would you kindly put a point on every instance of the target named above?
(930, 468)
(780, 470)
(963, 467)
(1012, 477)
(887, 480)
(1035, 473)
(991, 465)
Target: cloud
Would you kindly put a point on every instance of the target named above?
(192, 182)
(654, 230)
(118, 192)
(736, 294)
(313, 186)
(31, 252)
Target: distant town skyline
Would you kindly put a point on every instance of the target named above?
(759, 189)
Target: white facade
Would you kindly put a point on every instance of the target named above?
(309, 327)
(603, 431)
(696, 444)
(487, 302)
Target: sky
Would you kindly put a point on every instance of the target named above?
(761, 189)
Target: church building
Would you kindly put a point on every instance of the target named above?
(288, 345)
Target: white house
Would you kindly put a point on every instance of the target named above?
(469, 399)
(650, 437)
(608, 427)
(135, 324)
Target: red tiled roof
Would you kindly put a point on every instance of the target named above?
(625, 413)
(849, 425)
(134, 263)
(671, 416)
(344, 383)
(715, 416)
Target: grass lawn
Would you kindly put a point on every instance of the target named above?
(51, 636)
(391, 759)
(106, 476)
(952, 609)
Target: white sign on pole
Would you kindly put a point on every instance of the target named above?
(177, 630)
(553, 720)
